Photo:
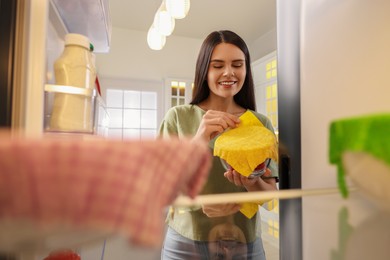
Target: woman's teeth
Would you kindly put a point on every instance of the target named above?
(227, 83)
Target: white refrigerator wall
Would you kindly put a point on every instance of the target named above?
(345, 71)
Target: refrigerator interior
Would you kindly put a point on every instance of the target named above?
(345, 62)
(333, 63)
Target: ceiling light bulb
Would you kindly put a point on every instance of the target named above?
(163, 21)
(178, 8)
(156, 41)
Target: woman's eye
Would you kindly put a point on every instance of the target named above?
(237, 65)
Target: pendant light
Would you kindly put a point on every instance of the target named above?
(178, 8)
(156, 41)
(163, 21)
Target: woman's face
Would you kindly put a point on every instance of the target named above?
(227, 70)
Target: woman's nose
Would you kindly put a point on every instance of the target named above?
(228, 72)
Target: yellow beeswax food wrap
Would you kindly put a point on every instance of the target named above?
(245, 147)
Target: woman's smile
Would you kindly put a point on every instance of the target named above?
(227, 84)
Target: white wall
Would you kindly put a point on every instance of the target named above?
(263, 45)
(345, 71)
(131, 58)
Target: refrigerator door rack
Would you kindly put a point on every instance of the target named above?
(72, 109)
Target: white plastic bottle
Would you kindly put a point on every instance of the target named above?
(75, 68)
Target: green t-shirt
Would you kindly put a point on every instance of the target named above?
(183, 121)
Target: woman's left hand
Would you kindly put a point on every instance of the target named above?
(251, 184)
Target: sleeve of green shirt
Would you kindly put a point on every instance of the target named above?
(168, 126)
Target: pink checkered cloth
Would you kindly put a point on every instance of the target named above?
(110, 185)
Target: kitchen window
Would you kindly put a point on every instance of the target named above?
(266, 92)
(133, 113)
(178, 92)
(266, 87)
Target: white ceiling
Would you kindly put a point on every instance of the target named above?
(249, 18)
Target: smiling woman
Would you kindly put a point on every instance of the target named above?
(223, 90)
(131, 61)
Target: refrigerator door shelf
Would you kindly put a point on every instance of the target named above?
(69, 90)
(71, 109)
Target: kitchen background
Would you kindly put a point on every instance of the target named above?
(131, 65)
(333, 59)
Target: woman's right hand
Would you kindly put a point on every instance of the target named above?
(215, 122)
(220, 210)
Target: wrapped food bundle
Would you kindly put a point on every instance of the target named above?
(360, 147)
(257, 172)
(247, 147)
